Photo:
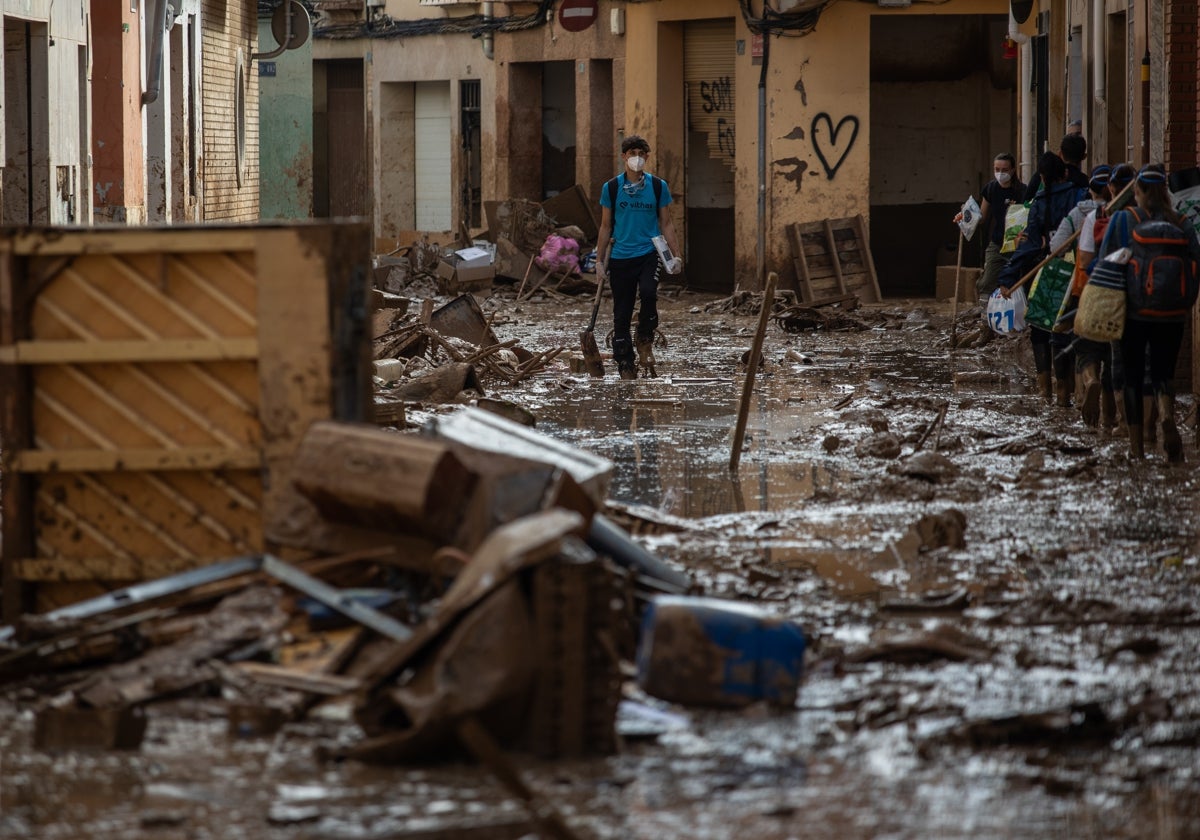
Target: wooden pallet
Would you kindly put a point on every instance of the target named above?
(819, 276)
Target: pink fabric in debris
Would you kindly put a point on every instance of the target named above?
(559, 253)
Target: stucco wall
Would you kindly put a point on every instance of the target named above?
(60, 105)
(827, 72)
(285, 130)
(402, 61)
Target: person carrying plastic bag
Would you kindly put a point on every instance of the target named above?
(1050, 206)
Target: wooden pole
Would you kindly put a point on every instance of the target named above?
(764, 314)
(954, 306)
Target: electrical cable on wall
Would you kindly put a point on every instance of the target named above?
(383, 26)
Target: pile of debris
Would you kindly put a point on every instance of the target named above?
(458, 588)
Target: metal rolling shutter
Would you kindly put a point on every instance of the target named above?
(433, 147)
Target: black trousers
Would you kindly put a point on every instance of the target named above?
(1162, 339)
(630, 278)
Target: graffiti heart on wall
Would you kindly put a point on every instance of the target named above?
(825, 139)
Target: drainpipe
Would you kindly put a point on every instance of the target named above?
(1015, 34)
(158, 28)
(488, 35)
(1099, 69)
(762, 163)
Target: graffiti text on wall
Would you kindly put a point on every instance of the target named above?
(717, 95)
(825, 139)
(725, 137)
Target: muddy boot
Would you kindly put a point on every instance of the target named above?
(1149, 419)
(1136, 450)
(1064, 380)
(1172, 442)
(645, 350)
(628, 370)
(1090, 407)
(1108, 411)
(1062, 393)
(1044, 386)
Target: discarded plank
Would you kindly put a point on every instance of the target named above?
(103, 729)
(367, 476)
(294, 680)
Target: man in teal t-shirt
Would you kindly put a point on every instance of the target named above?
(641, 212)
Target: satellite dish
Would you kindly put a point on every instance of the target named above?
(301, 26)
(1021, 9)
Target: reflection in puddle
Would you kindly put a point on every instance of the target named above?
(670, 449)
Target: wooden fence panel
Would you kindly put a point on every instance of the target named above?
(160, 379)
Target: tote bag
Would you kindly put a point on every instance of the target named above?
(1046, 294)
(1101, 315)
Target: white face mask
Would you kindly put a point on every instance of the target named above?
(1002, 178)
(636, 163)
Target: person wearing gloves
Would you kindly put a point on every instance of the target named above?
(635, 208)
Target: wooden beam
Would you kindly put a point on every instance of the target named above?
(108, 568)
(162, 350)
(102, 460)
(126, 241)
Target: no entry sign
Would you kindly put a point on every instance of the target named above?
(577, 15)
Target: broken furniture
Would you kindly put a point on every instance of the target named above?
(155, 383)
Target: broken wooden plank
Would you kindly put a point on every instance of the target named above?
(294, 680)
(367, 476)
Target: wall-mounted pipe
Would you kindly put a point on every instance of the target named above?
(159, 21)
(488, 36)
(1015, 34)
(1099, 68)
(287, 35)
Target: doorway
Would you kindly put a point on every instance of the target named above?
(938, 117)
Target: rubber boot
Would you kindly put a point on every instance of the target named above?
(645, 350)
(1108, 410)
(1172, 442)
(1118, 429)
(1090, 408)
(1063, 380)
(1136, 449)
(1149, 419)
(1062, 393)
(1044, 386)
(627, 370)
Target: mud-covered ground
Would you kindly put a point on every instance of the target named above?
(1037, 681)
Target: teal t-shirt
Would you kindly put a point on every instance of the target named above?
(635, 218)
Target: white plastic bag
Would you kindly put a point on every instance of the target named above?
(970, 218)
(1006, 315)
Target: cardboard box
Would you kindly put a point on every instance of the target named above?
(966, 289)
(453, 278)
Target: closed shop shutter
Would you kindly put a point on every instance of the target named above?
(433, 148)
(709, 50)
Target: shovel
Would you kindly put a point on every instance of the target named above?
(587, 338)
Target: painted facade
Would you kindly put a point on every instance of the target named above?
(46, 112)
(174, 111)
(286, 127)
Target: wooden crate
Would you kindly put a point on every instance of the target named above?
(832, 258)
(154, 383)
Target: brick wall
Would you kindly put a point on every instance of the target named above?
(1182, 134)
(226, 27)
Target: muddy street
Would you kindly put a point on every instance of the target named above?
(1002, 614)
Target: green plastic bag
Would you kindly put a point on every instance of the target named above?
(1015, 219)
(1049, 287)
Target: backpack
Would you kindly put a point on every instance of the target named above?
(1160, 277)
(612, 186)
